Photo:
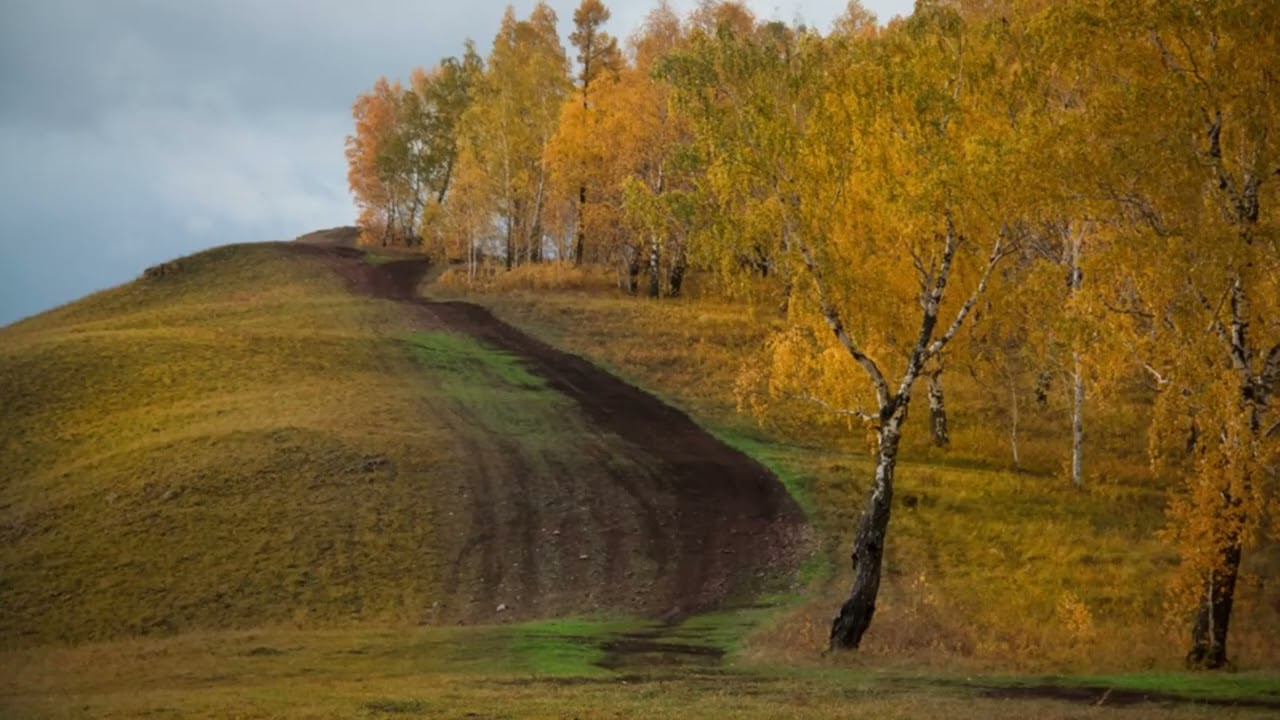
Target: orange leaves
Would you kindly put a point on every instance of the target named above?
(401, 156)
(613, 153)
(372, 153)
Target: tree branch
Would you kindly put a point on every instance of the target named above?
(997, 254)
(1191, 60)
(930, 302)
(1170, 62)
(1161, 380)
(1271, 367)
(858, 413)
(1123, 311)
(834, 321)
(1143, 210)
(925, 276)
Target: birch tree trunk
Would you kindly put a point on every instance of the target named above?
(1013, 424)
(938, 410)
(1209, 635)
(471, 261)
(848, 627)
(1075, 278)
(1213, 618)
(448, 178)
(655, 271)
(1077, 425)
(511, 240)
(868, 543)
(580, 246)
(633, 271)
(535, 232)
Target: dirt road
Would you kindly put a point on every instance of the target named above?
(682, 524)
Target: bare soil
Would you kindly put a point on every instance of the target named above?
(682, 524)
(650, 650)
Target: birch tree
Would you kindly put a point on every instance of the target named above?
(1198, 287)
(879, 162)
(625, 145)
(402, 154)
(511, 120)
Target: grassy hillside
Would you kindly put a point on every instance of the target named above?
(238, 440)
(206, 449)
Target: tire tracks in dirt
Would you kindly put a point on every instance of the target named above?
(681, 523)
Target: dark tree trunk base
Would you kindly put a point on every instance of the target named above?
(848, 627)
(1208, 658)
(675, 280)
(1209, 636)
(633, 276)
(856, 613)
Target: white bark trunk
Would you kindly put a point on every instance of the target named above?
(1075, 279)
(938, 411)
(1077, 425)
(655, 280)
(1013, 425)
(867, 558)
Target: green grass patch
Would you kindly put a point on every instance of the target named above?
(502, 399)
(565, 648)
(469, 362)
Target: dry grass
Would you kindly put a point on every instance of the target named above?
(212, 449)
(491, 277)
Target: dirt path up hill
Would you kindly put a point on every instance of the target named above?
(683, 525)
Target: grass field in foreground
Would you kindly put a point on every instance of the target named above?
(552, 670)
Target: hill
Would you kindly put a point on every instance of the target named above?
(273, 480)
(279, 434)
(345, 236)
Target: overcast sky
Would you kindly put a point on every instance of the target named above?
(135, 131)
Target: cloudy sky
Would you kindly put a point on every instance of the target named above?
(135, 131)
